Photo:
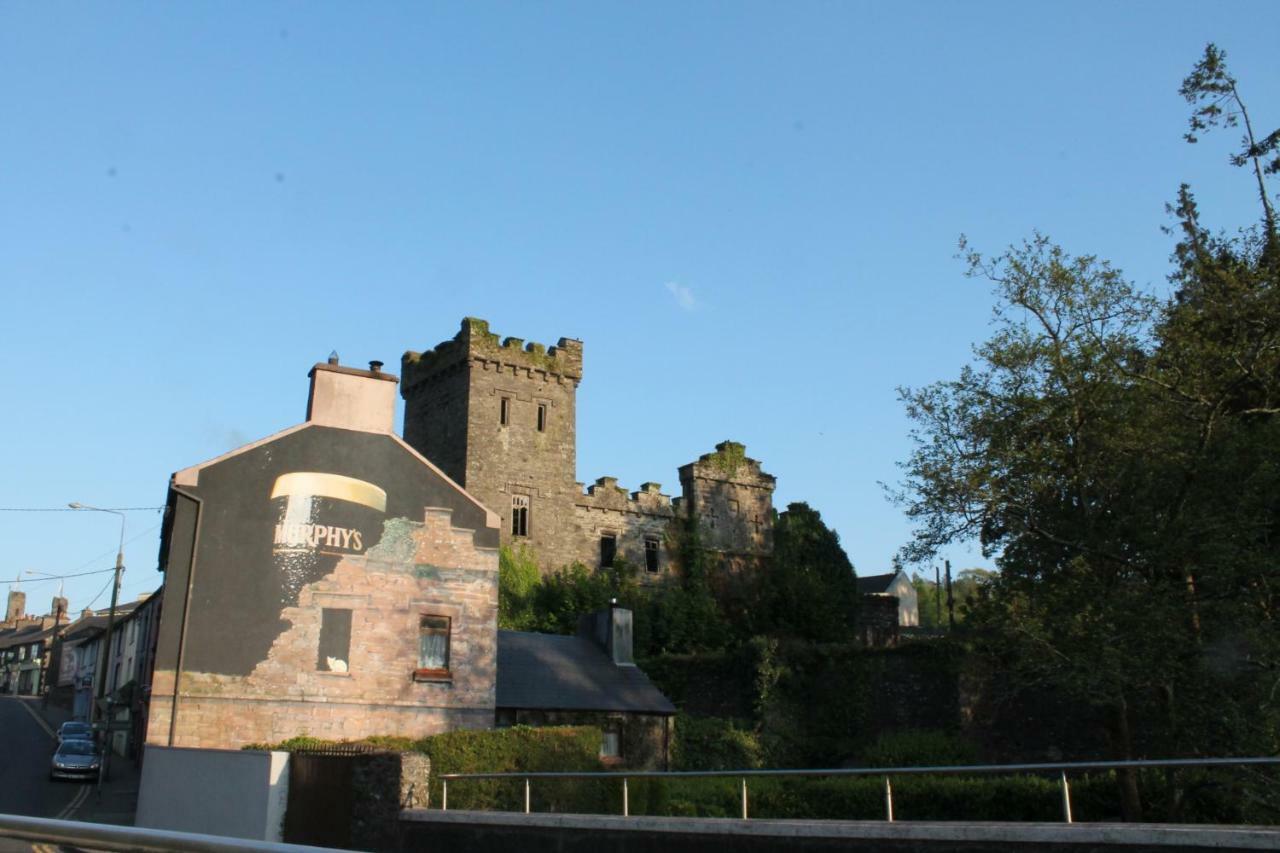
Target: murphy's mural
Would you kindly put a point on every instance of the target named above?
(359, 584)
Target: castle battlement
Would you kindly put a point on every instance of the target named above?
(474, 342)
(606, 494)
(729, 464)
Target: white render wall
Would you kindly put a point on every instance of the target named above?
(239, 793)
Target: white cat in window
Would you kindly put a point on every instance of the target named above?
(336, 664)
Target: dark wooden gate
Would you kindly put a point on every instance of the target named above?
(321, 796)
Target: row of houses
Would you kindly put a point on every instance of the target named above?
(61, 659)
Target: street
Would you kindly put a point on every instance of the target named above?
(25, 788)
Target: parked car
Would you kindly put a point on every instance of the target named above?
(74, 730)
(75, 759)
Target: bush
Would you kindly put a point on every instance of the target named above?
(919, 749)
(712, 743)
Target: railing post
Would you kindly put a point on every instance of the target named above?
(888, 800)
(1066, 798)
(626, 806)
(444, 795)
(526, 796)
(744, 797)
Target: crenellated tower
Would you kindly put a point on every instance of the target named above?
(499, 417)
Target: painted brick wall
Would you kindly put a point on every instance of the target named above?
(429, 568)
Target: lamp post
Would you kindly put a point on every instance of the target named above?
(106, 644)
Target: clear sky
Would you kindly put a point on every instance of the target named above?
(747, 211)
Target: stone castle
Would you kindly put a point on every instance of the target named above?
(499, 417)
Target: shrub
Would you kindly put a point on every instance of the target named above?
(918, 749)
(712, 743)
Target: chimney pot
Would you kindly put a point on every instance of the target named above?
(375, 366)
(333, 357)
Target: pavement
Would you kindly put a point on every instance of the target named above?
(115, 799)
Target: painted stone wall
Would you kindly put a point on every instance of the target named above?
(431, 569)
(302, 573)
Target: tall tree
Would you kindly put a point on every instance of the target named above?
(1215, 95)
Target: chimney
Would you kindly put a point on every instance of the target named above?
(17, 606)
(349, 398)
(610, 629)
(86, 613)
(59, 608)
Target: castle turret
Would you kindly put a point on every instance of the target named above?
(498, 416)
(732, 501)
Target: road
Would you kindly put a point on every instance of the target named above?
(26, 744)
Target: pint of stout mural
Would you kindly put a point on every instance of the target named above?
(321, 518)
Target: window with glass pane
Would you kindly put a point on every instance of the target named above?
(519, 515)
(433, 646)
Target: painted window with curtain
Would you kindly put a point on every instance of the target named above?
(433, 647)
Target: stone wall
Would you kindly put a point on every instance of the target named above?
(430, 568)
(633, 520)
(878, 620)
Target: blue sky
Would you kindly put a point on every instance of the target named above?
(747, 211)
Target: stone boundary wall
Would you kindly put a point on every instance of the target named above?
(502, 832)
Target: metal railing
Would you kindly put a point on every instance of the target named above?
(41, 831)
(1060, 768)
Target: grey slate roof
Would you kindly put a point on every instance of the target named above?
(872, 584)
(553, 672)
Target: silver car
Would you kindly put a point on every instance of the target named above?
(76, 759)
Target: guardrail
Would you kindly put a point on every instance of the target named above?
(104, 837)
(1061, 768)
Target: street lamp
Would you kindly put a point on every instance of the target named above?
(106, 645)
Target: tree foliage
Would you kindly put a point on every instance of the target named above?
(1116, 455)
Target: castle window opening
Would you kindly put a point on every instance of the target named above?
(651, 553)
(334, 651)
(608, 550)
(433, 648)
(519, 515)
(504, 411)
(542, 417)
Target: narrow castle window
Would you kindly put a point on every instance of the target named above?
(519, 515)
(504, 411)
(608, 550)
(433, 648)
(651, 553)
(334, 652)
(542, 417)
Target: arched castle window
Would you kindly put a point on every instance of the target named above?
(519, 515)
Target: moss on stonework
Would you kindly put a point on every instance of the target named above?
(729, 456)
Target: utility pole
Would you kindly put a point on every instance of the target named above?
(98, 711)
(937, 596)
(951, 601)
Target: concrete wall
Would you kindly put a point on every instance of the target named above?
(214, 791)
(482, 832)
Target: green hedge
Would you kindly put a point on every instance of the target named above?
(511, 750)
